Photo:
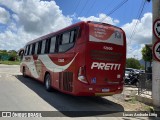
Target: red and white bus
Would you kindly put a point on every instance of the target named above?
(84, 59)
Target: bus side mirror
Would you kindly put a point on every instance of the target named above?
(21, 53)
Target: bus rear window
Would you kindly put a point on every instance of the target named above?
(105, 33)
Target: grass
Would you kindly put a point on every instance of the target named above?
(10, 62)
(142, 107)
(133, 100)
(149, 108)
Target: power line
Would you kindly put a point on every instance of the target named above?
(83, 7)
(93, 3)
(139, 15)
(77, 5)
(113, 10)
(106, 7)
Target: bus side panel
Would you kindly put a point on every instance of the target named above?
(33, 67)
(62, 74)
(80, 59)
(39, 68)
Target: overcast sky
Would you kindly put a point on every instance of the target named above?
(25, 20)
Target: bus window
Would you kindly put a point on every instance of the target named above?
(30, 51)
(43, 46)
(26, 50)
(33, 49)
(52, 45)
(36, 48)
(39, 47)
(65, 42)
(65, 38)
(72, 36)
(47, 46)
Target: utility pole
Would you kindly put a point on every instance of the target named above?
(155, 49)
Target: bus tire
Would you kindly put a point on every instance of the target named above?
(24, 72)
(47, 82)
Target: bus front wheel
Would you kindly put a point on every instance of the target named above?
(48, 82)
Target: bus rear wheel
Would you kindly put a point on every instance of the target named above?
(48, 82)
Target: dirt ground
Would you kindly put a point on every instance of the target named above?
(128, 101)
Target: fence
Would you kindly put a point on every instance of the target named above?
(145, 84)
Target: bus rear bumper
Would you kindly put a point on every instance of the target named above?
(108, 94)
(89, 90)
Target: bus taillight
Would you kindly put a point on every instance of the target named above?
(82, 74)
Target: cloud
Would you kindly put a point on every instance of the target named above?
(31, 19)
(38, 16)
(14, 40)
(101, 18)
(133, 52)
(4, 16)
(142, 36)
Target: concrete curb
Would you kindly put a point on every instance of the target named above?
(144, 99)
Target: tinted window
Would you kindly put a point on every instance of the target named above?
(33, 48)
(67, 41)
(39, 47)
(43, 46)
(72, 36)
(26, 50)
(36, 48)
(65, 38)
(52, 45)
(65, 47)
(30, 51)
(47, 46)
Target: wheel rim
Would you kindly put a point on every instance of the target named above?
(47, 82)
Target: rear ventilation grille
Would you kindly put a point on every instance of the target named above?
(67, 81)
(106, 56)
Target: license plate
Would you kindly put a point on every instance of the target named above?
(105, 90)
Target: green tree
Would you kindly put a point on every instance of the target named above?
(133, 63)
(13, 55)
(10, 55)
(147, 55)
(3, 52)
